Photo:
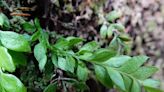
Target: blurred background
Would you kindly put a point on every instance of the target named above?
(144, 20)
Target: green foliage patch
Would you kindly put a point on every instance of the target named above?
(79, 62)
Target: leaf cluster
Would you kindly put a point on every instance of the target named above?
(79, 62)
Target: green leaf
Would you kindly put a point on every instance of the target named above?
(116, 78)
(135, 86)
(51, 88)
(113, 15)
(127, 82)
(40, 55)
(62, 63)
(35, 36)
(101, 55)
(61, 44)
(149, 89)
(144, 72)
(133, 64)
(102, 76)
(114, 45)
(44, 38)
(82, 72)
(1, 89)
(6, 61)
(110, 31)
(151, 83)
(73, 40)
(54, 59)
(67, 64)
(85, 56)
(37, 24)
(119, 27)
(14, 41)
(124, 37)
(28, 27)
(103, 31)
(80, 86)
(10, 83)
(70, 63)
(18, 58)
(89, 47)
(127, 46)
(4, 21)
(27, 37)
(117, 61)
(48, 71)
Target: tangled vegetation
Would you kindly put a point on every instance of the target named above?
(33, 59)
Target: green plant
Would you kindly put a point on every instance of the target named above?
(78, 62)
(115, 31)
